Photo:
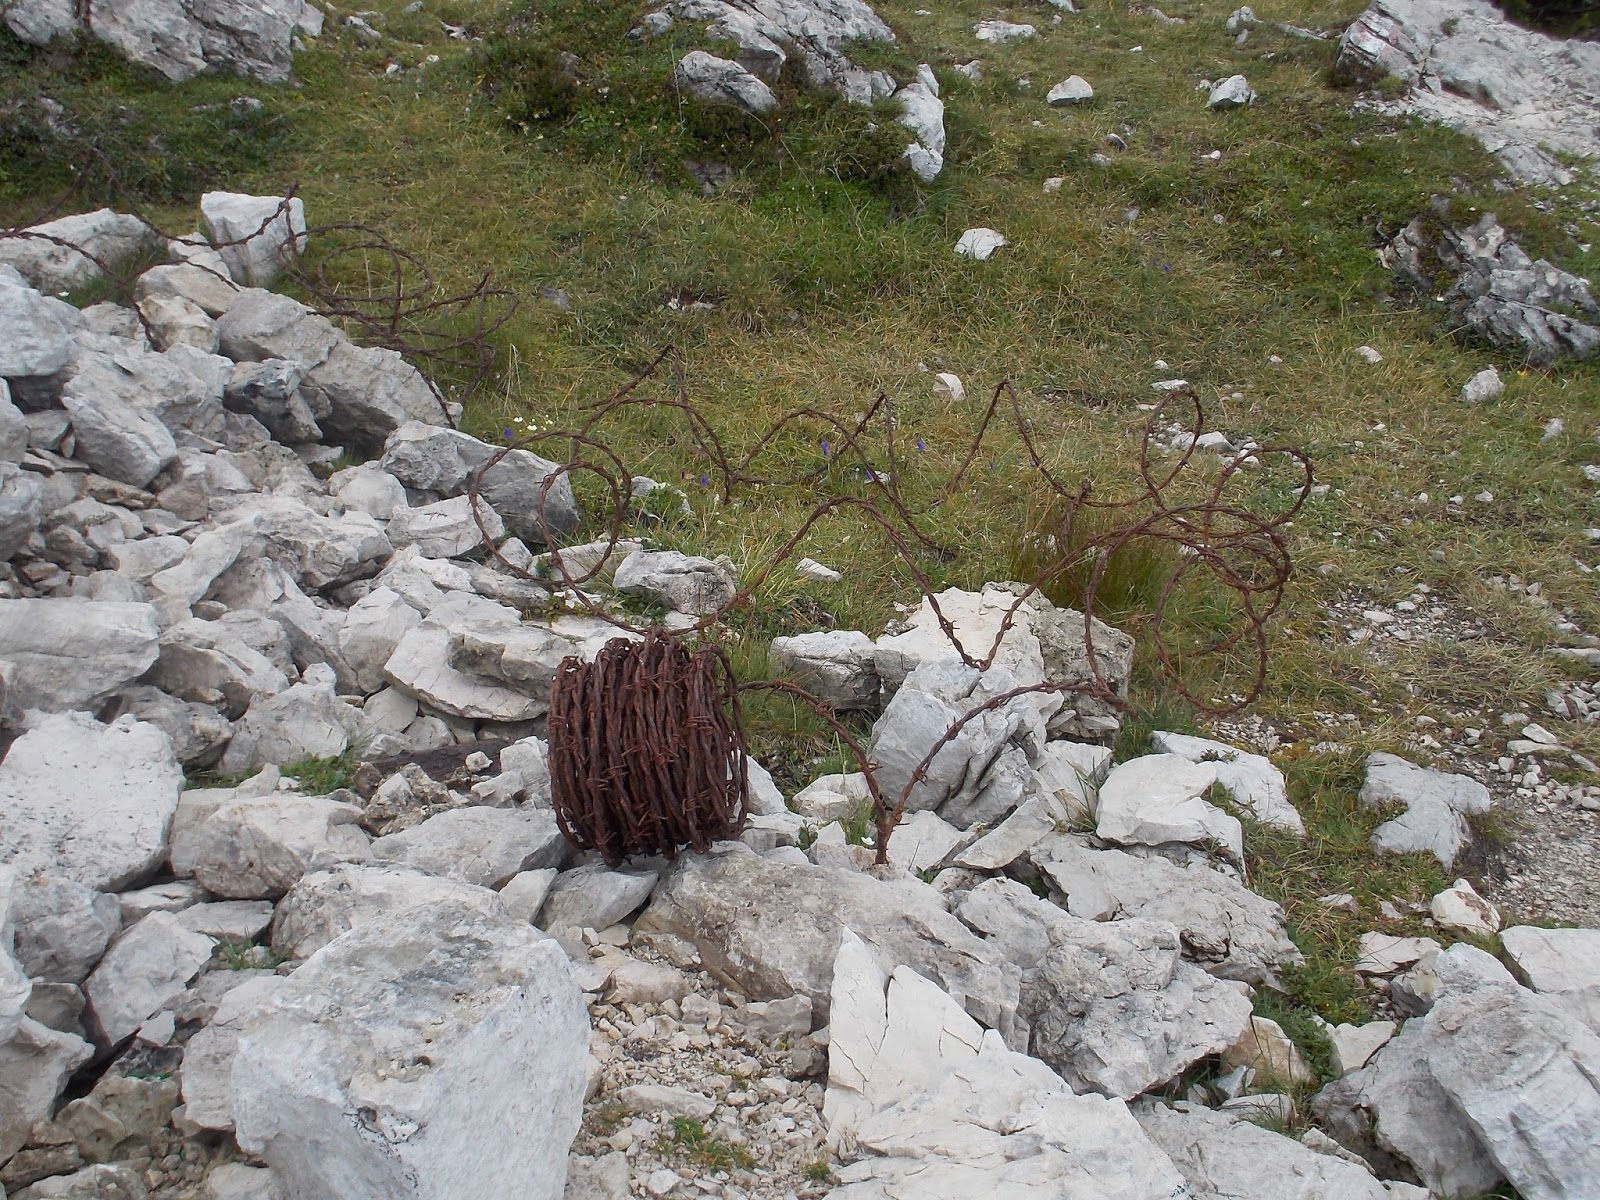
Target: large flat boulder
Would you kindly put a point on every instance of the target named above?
(74, 654)
(325, 904)
(87, 801)
(741, 910)
(436, 1054)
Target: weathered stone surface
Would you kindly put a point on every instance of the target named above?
(372, 628)
(956, 783)
(206, 662)
(368, 392)
(270, 392)
(317, 550)
(1156, 799)
(720, 81)
(1233, 92)
(447, 528)
(1528, 97)
(736, 907)
(1271, 1053)
(38, 329)
(309, 720)
(1495, 289)
(261, 325)
(326, 904)
(120, 1108)
(259, 848)
(256, 235)
(1563, 964)
(837, 667)
(1011, 839)
(103, 1181)
(1436, 805)
(475, 1006)
(923, 840)
(420, 667)
(144, 968)
(89, 802)
(922, 112)
(1254, 783)
(62, 927)
(1110, 1006)
(593, 897)
(1070, 91)
(64, 255)
(432, 459)
(1223, 1156)
(1354, 1045)
(1225, 928)
(483, 846)
(931, 1104)
(1461, 910)
(680, 582)
(524, 657)
(208, 286)
(208, 1057)
(71, 654)
(118, 440)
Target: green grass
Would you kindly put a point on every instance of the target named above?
(689, 1142)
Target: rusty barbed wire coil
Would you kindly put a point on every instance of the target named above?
(647, 749)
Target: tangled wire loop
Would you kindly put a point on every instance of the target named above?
(646, 749)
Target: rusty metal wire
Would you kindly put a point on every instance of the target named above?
(353, 274)
(647, 749)
(1244, 552)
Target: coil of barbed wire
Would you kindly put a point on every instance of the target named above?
(647, 749)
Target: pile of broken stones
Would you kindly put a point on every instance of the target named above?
(415, 987)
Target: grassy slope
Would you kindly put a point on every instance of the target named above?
(825, 293)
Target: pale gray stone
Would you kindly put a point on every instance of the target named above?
(62, 927)
(146, 967)
(370, 489)
(1354, 1045)
(1000, 32)
(372, 629)
(120, 1108)
(838, 667)
(476, 1006)
(524, 895)
(1233, 92)
(259, 848)
(928, 1103)
(1156, 799)
(1224, 927)
(1221, 1155)
(446, 528)
(1011, 839)
(256, 235)
(306, 721)
(102, 1181)
(594, 897)
(432, 459)
(38, 331)
(174, 321)
(1436, 805)
(261, 325)
(1563, 964)
(235, 1181)
(118, 440)
(22, 503)
(680, 582)
(1255, 784)
(210, 288)
(420, 667)
(483, 846)
(922, 841)
(368, 392)
(320, 551)
(720, 81)
(922, 112)
(270, 392)
(740, 911)
(1070, 91)
(67, 254)
(87, 801)
(325, 904)
(206, 662)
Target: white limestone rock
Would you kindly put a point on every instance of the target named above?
(980, 243)
(1255, 784)
(838, 667)
(62, 928)
(145, 968)
(594, 897)
(73, 654)
(680, 582)
(420, 667)
(1461, 910)
(323, 905)
(372, 628)
(923, 840)
(1225, 928)
(1563, 964)
(1221, 1155)
(1354, 1045)
(1011, 839)
(922, 112)
(1156, 799)
(1000, 32)
(483, 846)
(929, 1103)
(87, 801)
(740, 911)
(257, 236)
(446, 528)
(309, 720)
(1233, 92)
(259, 848)
(1075, 89)
(1436, 805)
(472, 1007)
(64, 255)
(720, 81)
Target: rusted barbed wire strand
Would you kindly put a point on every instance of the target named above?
(1245, 552)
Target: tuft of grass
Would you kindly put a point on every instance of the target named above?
(319, 776)
(689, 1140)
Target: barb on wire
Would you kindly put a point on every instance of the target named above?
(1244, 552)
